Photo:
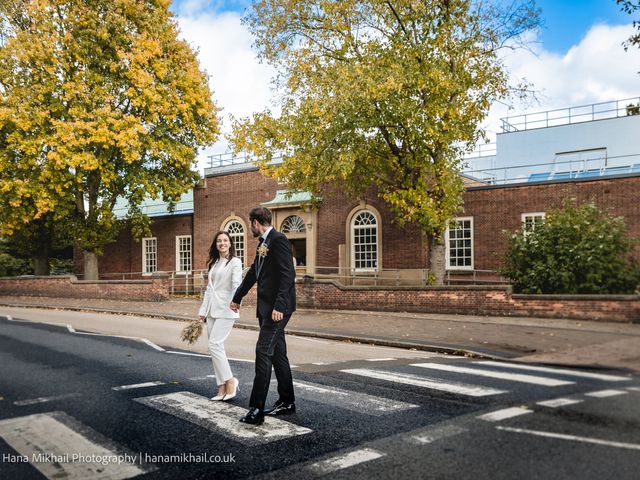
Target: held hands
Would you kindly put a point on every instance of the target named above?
(276, 316)
(235, 307)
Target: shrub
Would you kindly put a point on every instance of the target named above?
(577, 249)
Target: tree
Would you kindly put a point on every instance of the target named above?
(577, 249)
(99, 99)
(43, 240)
(386, 94)
(631, 7)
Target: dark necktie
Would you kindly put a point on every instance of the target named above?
(260, 257)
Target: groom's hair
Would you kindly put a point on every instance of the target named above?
(261, 214)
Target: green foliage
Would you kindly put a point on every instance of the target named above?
(577, 249)
(99, 99)
(631, 7)
(11, 266)
(388, 94)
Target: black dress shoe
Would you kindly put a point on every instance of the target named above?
(281, 408)
(255, 416)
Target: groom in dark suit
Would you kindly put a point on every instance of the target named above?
(275, 274)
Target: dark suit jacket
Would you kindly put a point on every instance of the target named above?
(276, 279)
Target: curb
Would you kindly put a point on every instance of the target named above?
(449, 350)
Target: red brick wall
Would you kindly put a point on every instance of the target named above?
(125, 254)
(497, 209)
(153, 290)
(469, 301)
(402, 247)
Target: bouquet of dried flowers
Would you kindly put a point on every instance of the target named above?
(192, 332)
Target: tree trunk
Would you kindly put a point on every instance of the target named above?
(41, 265)
(90, 266)
(437, 259)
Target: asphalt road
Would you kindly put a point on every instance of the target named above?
(81, 405)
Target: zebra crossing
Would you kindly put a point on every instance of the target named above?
(30, 434)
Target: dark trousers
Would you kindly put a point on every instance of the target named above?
(271, 350)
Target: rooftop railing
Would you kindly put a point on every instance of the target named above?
(566, 116)
(557, 170)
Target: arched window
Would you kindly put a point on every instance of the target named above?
(364, 249)
(236, 232)
(293, 224)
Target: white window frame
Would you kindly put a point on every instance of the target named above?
(353, 241)
(448, 247)
(524, 217)
(240, 254)
(178, 262)
(145, 241)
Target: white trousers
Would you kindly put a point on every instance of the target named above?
(218, 330)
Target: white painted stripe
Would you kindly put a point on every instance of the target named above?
(415, 380)
(562, 436)
(59, 447)
(33, 401)
(137, 385)
(207, 377)
(355, 401)
(152, 345)
(514, 377)
(247, 361)
(314, 340)
(605, 393)
(435, 434)
(559, 402)
(10, 318)
(345, 460)
(189, 354)
(320, 363)
(222, 417)
(559, 371)
(379, 359)
(634, 389)
(71, 329)
(504, 414)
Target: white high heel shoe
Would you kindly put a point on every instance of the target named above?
(232, 394)
(218, 398)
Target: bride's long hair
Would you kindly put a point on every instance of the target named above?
(214, 254)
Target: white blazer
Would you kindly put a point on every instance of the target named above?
(224, 279)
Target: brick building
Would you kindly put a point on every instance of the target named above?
(538, 160)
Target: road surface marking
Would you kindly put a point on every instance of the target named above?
(355, 401)
(137, 385)
(320, 363)
(70, 328)
(605, 393)
(61, 447)
(560, 371)
(634, 389)
(562, 436)
(152, 345)
(434, 434)
(504, 414)
(379, 359)
(207, 377)
(346, 460)
(222, 417)
(34, 401)
(514, 377)
(415, 380)
(559, 402)
(189, 354)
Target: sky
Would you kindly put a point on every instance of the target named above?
(575, 59)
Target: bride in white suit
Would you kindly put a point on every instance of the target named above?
(225, 274)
